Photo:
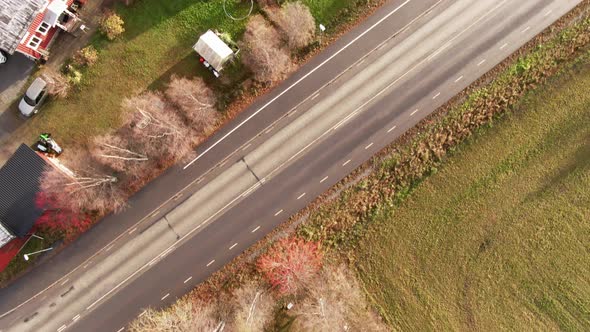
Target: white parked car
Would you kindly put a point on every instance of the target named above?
(33, 98)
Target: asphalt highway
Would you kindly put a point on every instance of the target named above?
(289, 147)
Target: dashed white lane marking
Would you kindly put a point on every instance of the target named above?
(415, 111)
(525, 29)
(368, 146)
(165, 296)
(64, 282)
(315, 96)
(436, 96)
(110, 247)
(233, 246)
(503, 46)
(481, 62)
(346, 162)
(255, 229)
(459, 78)
(121, 329)
(133, 230)
(76, 317)
(187, 279)
(299, 197)
(548, 12)
(247, 146)
(61, 328)
(142, 313)
(324, 179)
(278, 212)
(391, 129)
(211, 262)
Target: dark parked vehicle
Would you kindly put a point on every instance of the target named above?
(2, 57)
(34, 97)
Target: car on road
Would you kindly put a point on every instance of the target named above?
(2, 57)
(34, 97)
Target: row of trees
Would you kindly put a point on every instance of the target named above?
(159, 129)
(325, 298)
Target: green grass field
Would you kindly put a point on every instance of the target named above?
(499, 237)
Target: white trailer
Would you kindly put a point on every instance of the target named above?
(214, 52)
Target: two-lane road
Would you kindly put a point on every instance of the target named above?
(412, 56)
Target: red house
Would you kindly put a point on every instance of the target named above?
(30, 26)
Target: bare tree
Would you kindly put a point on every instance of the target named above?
(156, 127)
(335, 302)
(183, 316)
(295, 22)
(263, 53)
(113, 151)
(254, 308)
(59, 85)
(195, 100)
(85, 190)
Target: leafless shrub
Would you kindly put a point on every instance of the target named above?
(59, 84)
(263, 53)
(87, 56)
(295, 22)
(254, 308)
(266, 3)
(156, 127)
(195, 100)
(113, 151)
(87, 190)
(183, 316)
(335, 302)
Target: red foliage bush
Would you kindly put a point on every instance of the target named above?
(290, 264)
(57, 221)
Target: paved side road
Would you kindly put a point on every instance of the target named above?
(13, 76)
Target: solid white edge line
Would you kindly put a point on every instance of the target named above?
(297, 82)
(187, 279)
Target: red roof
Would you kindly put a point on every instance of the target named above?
(45, 39)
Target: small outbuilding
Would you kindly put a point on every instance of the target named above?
(214, 52)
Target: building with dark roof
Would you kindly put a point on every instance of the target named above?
(19, 184)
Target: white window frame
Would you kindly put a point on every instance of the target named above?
(46, 29)
(36, 46)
